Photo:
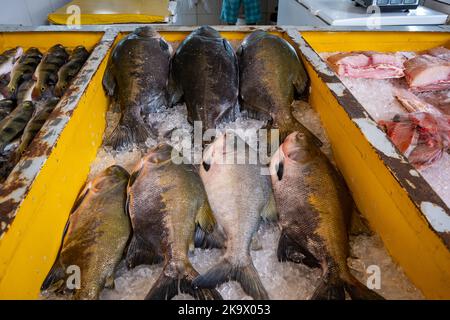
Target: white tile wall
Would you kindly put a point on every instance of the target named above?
(28, 12)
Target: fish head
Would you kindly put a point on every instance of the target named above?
(147, 32)
(160, 154)
(110, 178)
(223, 150)
(60, 88)
(299, 147)
(207, 32)
(38, 90)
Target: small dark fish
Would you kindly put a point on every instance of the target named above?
(271, 74)
(137, 75)
(8, 59)
(23, 70)
(204, 73)
(165, 199)
(68, 71)
(15, 123)
(25, 91)
(95, 238)
(6, 106)
(315, 207)
(47, 71)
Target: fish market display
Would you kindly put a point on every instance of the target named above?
(8, 58)
(204, 73)
(47, 71)
(314, 207)
(23, 70)
(68, 71)
(422, 137)
(429, 71)
(368, 64)
(137, 76)
(266, 93)
(95, 237)
(240, 196)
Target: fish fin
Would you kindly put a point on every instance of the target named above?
(54, 281)
(290, 250)
(123, 135)
(139, 252)
(84, 191)
(329, 288)
(358, 225)
(167, 287)
(269, 212)
(225, 271)
(109, 82)
(214, 240)
(205, 218)
(359, 291)
(174, 90)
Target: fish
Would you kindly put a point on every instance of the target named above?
(368, 64)
(314, 207)
(205, 75)
(47, 71)
(6, 106)
(240, 197)
(15, 122)
(23, 70)
(8, 59)
(95, 236)
(137, 75)
(25, 90)
(266, 94)
(68, 71)
(165, 199)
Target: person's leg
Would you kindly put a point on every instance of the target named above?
(230, 11)
(252, 11)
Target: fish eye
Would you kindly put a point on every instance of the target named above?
(42, 89)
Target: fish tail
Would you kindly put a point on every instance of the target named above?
(125, 135)
(290, 250)
(140, 253)
(359, 291)
(204, 240)
(167, 287)
(225, 271)
(329, 288)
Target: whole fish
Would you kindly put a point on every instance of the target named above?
(240, 196)
(204, 73)
(165, 199)
(314, 207)
(23, 70)
(6, 106)
(25, 90)
(8, 58)
(137, 75)
(270, 75)
(47, 71)
(68, 71)
(95, 237)
(15, 122)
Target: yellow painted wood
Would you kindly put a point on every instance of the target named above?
(113, 11)
(386, 205)
(29, 248)
(379, 41)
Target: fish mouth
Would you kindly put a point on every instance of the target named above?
(296, 147)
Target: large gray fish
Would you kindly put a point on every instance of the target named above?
(315, 208)
(15, 122)
(165, 200)
(23, 70)
(95, 237)
(240, 196)
(8, 59)
(137, 75)
(46, 73)
(68, 71)
(6, 106)
(270, 75)
(204, 72)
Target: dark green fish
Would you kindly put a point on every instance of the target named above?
(6, 106)
(68, 71)
(315, 208)
(137, 75)
(96, 235)
(205, 74)
(8, 58)
(23, 70)
(271, 74)
(47, 71)
(15, 123)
